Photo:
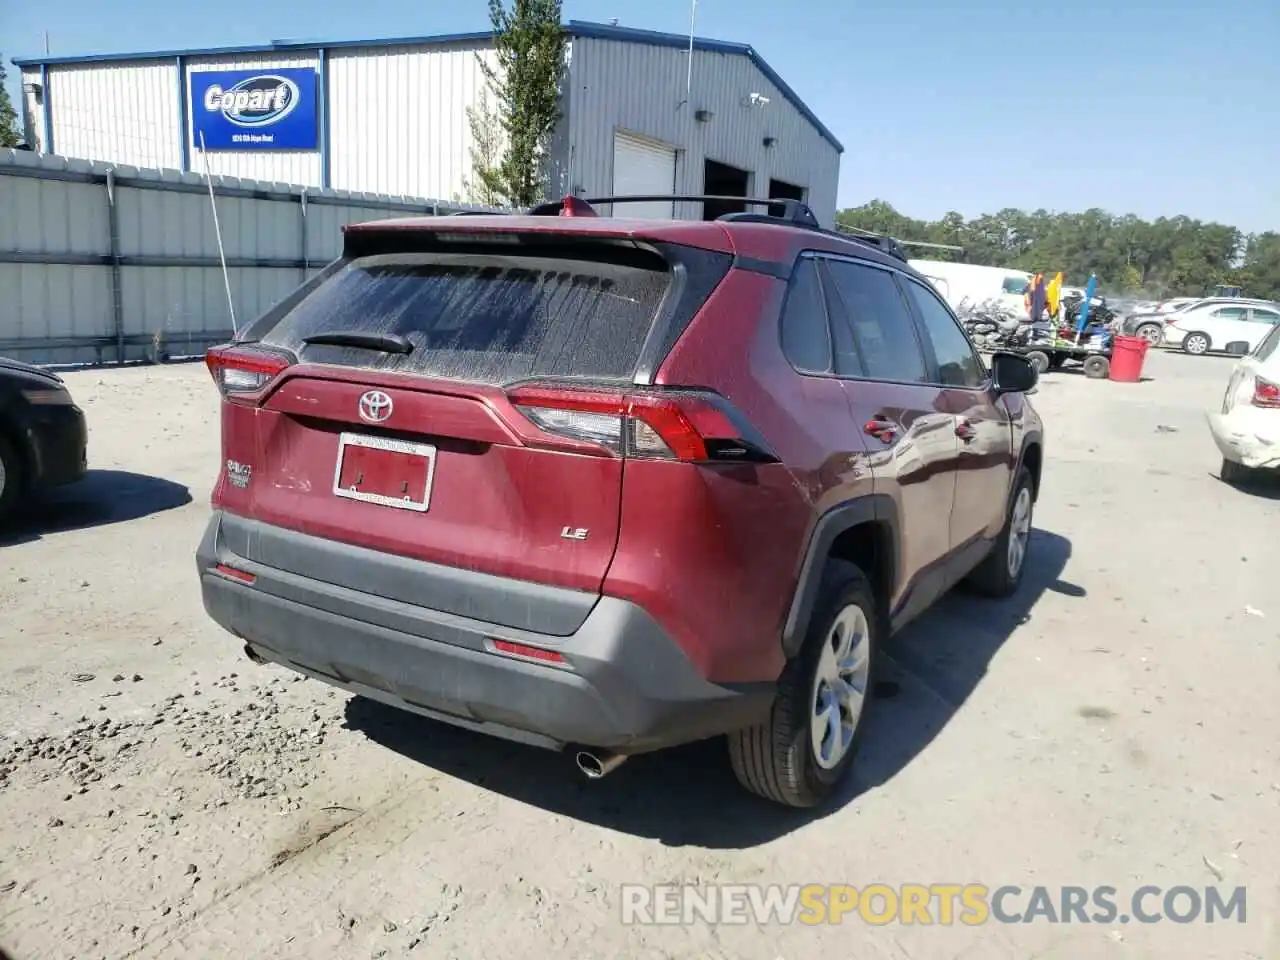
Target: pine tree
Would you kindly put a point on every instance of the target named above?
(529, 42)
(9, 129)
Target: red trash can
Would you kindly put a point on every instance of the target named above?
(1127, 356)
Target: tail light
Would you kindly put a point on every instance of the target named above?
(692, 427)
(243, 370)
(1266, 393)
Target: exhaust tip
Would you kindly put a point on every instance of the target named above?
(594, 766)
(590, 765)
(253, 655)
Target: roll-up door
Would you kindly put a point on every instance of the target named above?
(646, 167)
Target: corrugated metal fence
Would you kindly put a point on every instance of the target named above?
(103, 264)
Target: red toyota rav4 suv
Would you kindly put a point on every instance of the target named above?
(614, 484)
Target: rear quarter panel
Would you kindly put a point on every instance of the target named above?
(714, 553)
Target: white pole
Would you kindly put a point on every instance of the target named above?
(693, 20)
(217, 229)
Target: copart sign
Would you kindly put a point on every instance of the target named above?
(267, 109)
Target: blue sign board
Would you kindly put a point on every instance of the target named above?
(269, 109)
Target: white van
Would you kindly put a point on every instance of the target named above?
(961, 282)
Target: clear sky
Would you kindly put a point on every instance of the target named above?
(1138, 106)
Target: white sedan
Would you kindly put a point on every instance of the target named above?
(1247, 428)
(1231, 326)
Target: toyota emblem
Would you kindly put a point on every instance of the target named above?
(375, 406)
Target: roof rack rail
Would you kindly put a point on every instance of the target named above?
(794, 213)
(857, 233)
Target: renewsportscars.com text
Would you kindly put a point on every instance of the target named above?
(971, 904)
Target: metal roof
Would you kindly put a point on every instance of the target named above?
(576, 28)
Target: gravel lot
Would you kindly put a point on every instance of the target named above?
(161, 796)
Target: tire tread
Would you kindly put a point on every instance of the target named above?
(770, 759)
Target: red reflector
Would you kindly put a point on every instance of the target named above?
(528, 652)
(1265, 393)
(234, 574)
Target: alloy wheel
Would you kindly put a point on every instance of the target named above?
(1019, 531)
(840, 686)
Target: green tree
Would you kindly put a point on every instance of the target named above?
(529, 42)
(1169, 256)
(9, 135)
(1260, 272)
(485, 186)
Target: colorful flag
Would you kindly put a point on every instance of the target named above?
(1054, 294)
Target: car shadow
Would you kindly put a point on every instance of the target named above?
(688, 795)
(1264, 484)
(102, 497)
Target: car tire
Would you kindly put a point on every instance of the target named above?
(1233, 473)
(1040, 360)
(998, 576)
(783, 759)
(1196, 343)
(1153, 333)
(11, 477)
(1097, 367)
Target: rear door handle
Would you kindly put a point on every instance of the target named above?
(965, 430)
(882, 429)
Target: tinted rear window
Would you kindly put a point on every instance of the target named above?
(483, 317)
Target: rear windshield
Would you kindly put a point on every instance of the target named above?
(484, 318)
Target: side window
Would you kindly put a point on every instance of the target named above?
(806, 342)
(1229, 313)
(958, 363)
(879, 322)
(1265, 316)
(1016, 285)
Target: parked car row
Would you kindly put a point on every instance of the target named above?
(1199, 326)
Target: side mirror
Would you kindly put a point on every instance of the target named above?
(1013, 373)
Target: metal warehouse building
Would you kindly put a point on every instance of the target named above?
(643, 113)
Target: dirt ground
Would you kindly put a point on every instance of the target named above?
(1116, 723)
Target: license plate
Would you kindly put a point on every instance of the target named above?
(390, 473)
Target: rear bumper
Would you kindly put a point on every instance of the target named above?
(625, 685)
(1248, 436)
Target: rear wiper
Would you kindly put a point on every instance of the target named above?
(386, 342)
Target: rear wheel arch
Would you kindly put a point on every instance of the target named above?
(862, 532)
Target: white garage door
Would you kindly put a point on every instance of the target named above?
(645, 167)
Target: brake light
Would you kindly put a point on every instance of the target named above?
(1265, 393)
(688, 427)
(243, 370)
